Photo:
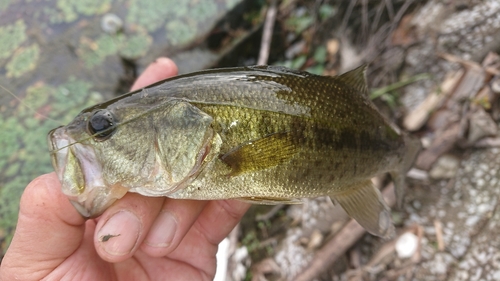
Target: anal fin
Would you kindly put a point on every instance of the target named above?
(364, 203)
(270, 200)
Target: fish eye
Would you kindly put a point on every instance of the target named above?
(101, 125)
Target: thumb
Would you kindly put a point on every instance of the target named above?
(49, 229)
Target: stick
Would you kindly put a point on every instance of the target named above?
(267, 34)
(439, 235)
(336, 247)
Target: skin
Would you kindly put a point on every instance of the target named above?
(137, 238)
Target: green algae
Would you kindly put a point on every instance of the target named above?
(135, 46)
(4, 4)
(93, 52)
(72, 8)
(152, 14)
(202, 11)
(11, 38)
(24, 154)
(23, 61)
(69, 42)
(179, 33)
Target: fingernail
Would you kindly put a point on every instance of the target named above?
(163, 230)
(164, 60)
(120, 233)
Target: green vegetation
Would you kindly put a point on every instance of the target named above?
(11, 38)
(72, 8)
(23, 61)
(389, 94)
(23, 157)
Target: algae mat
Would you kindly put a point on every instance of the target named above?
(60, 56)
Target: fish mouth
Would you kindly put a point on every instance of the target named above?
(58, 148)
(80, 174)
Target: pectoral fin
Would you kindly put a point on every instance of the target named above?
(260, 154)
(364, 203)
(270, 200)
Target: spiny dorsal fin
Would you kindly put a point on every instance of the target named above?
(356, 79)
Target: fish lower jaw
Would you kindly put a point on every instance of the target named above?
(97, 200)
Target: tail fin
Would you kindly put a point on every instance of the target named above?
(413, 146)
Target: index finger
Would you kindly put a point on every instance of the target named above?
(161, 69)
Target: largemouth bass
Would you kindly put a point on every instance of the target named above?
(262, 134)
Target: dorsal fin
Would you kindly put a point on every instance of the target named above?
(356, 79)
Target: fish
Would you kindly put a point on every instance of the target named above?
(260, 134)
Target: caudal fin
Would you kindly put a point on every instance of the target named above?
(413, 146)
(364, 203)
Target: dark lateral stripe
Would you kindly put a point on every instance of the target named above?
(352, 140)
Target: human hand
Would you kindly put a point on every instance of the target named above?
(137, 238)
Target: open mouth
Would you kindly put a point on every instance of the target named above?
(80, 174)
(58, 146)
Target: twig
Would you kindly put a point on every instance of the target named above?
(439, 235)
(488, 142)
(364, 18)
(336, 247)
(347, 14)
(267, 34)
(378, 15)
(397, 18)
(270, 214)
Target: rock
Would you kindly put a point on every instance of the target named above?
(406, 245)
(111, 23)
(445, 167)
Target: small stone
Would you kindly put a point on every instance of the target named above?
(481, 125)
(445, 167)
(240, 254)
(111, 23)
(495, 84)
(315, 240)
(406, 245)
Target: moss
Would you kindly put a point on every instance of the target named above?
(135, 46)
(71, 8)
(8, 142)
(23, 61)
(11, 38)
(179, 33)
(152, 14)
(37, 95)
(94, 52)
(4, 4)
(10, 195)
(24, 154)
(202, 11)
(12, 169)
